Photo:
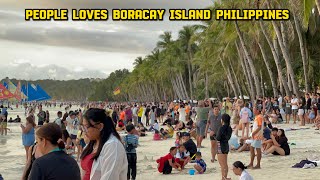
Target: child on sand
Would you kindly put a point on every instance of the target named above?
(182, 156)
(200, 165)
(178, 139)
(156, 135)
(167, 162)
(131, 143)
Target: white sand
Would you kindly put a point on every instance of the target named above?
(12, 157)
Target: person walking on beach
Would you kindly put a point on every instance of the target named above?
(104, 157)
(223, 135)
(214, 124)
(294, 106)
(130, 144)
(55, 163)
(257, 135)
(202, 118)
(28, 137)
(41, 116)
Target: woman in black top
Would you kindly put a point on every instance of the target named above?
(280, 144)
(223, 136)
(55, 163)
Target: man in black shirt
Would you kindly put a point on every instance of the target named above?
(190, 146)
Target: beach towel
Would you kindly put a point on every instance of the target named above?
(302, 163)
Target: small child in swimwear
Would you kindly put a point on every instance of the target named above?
(200, 165)
(156, 135)
(178, 139)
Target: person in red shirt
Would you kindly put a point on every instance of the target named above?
(167, 162)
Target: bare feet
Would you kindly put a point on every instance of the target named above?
(250, 166)
(256, 167)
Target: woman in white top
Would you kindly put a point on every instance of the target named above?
(239, 170)
(105, 147)
(182, 113)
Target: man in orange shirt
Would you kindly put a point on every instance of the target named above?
(122, 115)
(257, 134)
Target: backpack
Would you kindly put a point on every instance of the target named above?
(128, 146)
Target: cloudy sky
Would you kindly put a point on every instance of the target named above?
(73, 50)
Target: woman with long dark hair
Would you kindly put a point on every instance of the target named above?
(280, 145)
(104, 157)
(55, 163)
(223, 136)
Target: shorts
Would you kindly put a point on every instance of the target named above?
(40, 123)
(285, 153)
(201, 127)
(4, 125)
(249, 141)
(223, 148)
(294, 111)
(256, 144)
(72, 136)
(300, 112)
(288, 111)
(213, 138)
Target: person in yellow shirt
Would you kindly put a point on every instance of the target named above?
(140, 114)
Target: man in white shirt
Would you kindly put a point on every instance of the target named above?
(294, 105)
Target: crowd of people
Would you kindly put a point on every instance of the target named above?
(90, 135)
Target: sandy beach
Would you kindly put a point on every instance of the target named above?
(12, 156)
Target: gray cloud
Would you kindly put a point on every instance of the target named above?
(29, 71)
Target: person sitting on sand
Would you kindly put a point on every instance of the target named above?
(164, 134)
(178, 141)
(200, 165)
(155, 126)
(189, 145)
(239, 170)
(281, 146)
(179, 125)
(267, 142)
(167, 162)
(244, 144)
(168, 120)
(142, 130)
(170, 130)
(156, 135)
(120, 126)
(182, 156)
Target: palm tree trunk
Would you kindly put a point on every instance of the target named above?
(275, 53)
(262, 84)
(189, 72)
(236, 80)
(184, 87)
(176, 89)
(250, 61)
(318, 5)
(303, 54)
(266, 61)
(207, 84)
(227, 87)
(246, 73)
(227, 70)
(184, 95)
(286, 56)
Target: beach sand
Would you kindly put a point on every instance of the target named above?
(12, 156)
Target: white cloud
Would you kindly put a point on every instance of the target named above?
(64, 49)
